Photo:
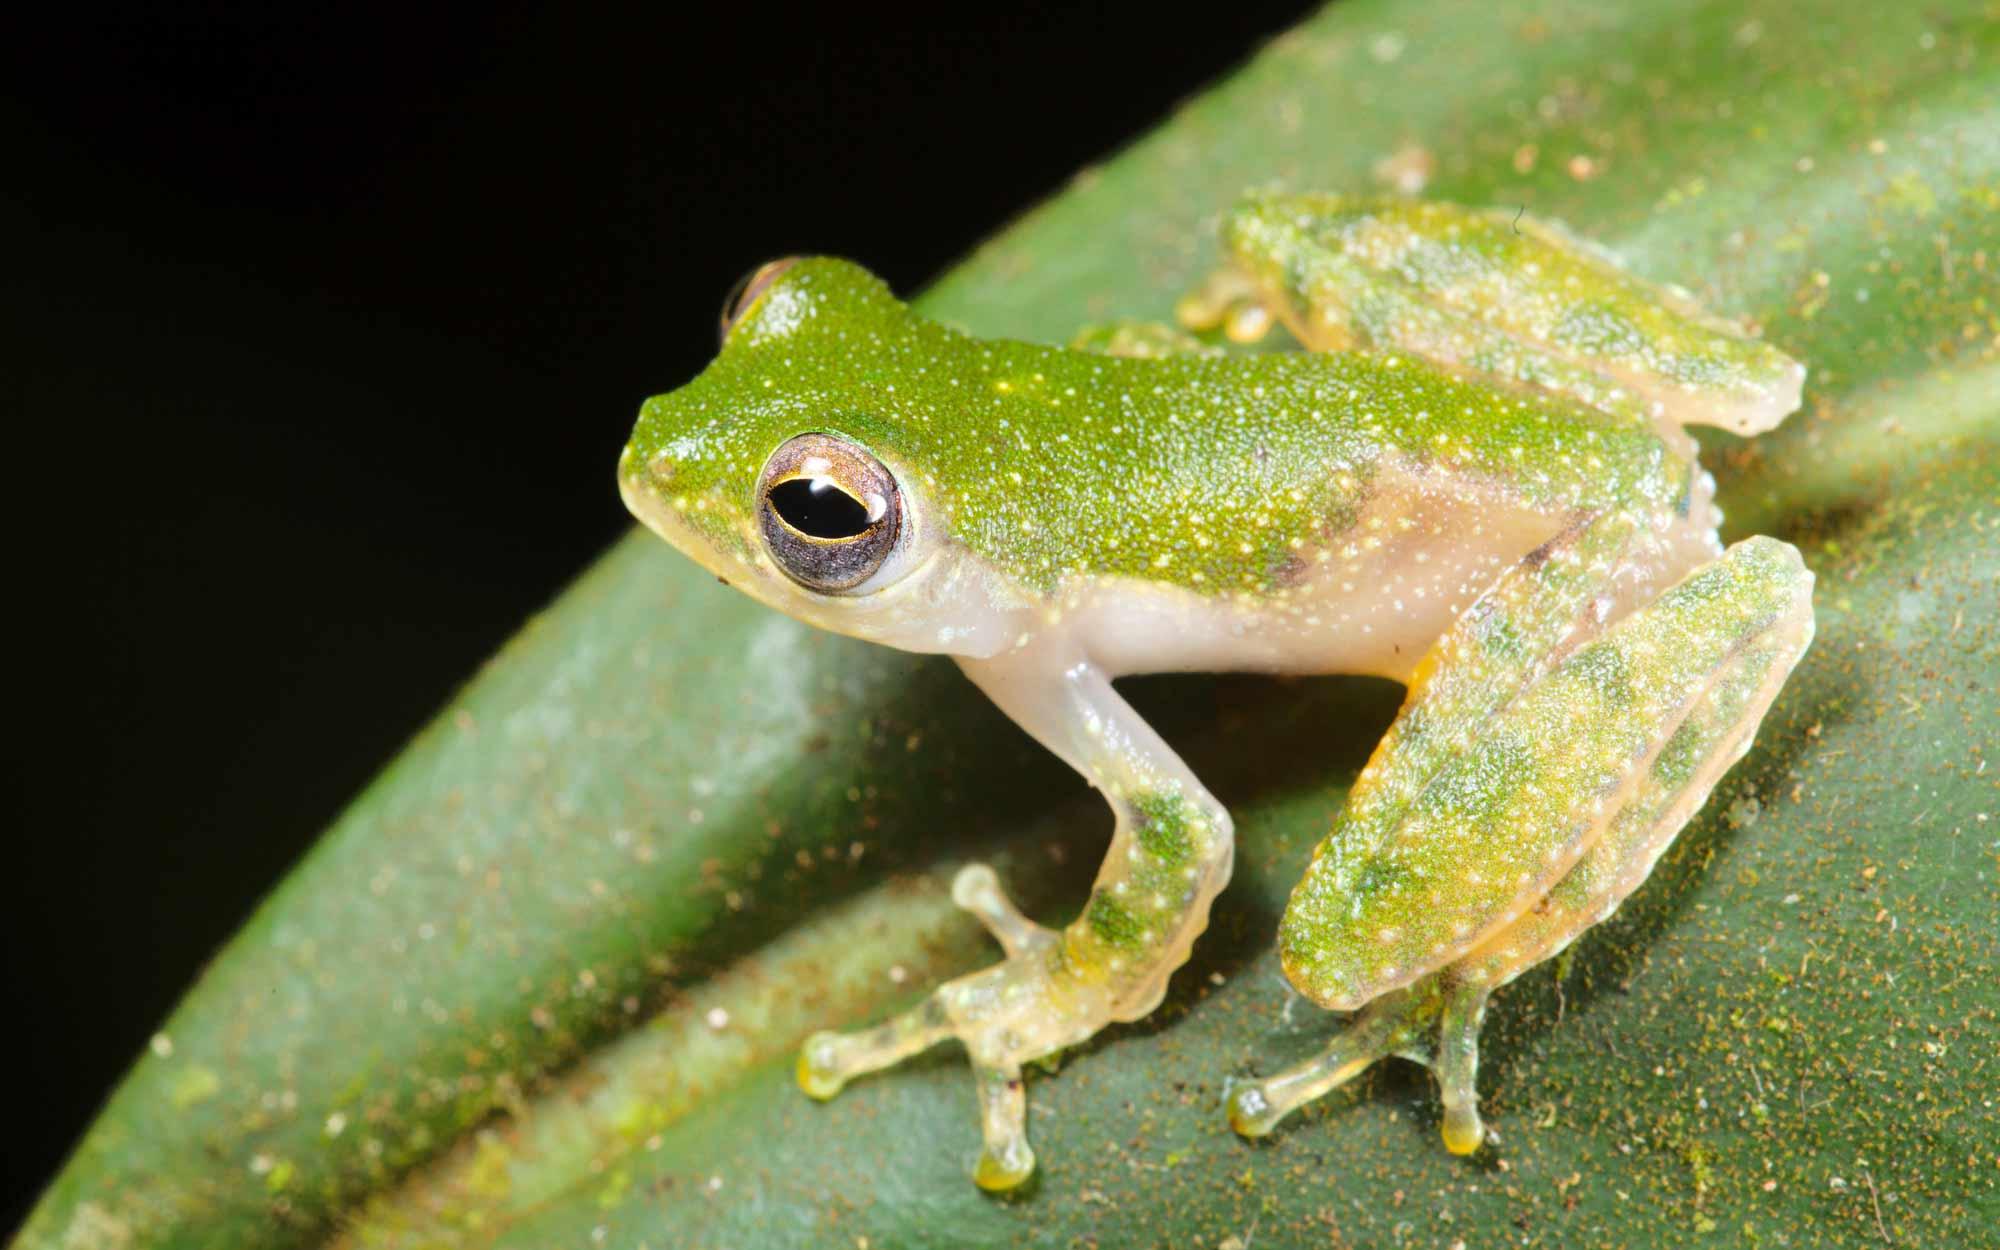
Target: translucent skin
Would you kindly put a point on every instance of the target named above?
(1478, 485)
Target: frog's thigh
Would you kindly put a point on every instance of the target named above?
(1170, 855)
(1499, 822)
(1614, 749)
(1718, 730)
(1505, 643)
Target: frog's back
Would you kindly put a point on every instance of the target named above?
(1228, 475)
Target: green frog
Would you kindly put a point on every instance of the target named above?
(1475, 481)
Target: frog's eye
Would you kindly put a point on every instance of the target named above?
(747, 289)
(830, 512)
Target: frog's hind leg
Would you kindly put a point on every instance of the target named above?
(1497, 294)
(1503, 644)
(1718, 730)
(1513, 843)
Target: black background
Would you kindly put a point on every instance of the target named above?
(321, 335)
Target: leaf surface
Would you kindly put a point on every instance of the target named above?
(542, 983)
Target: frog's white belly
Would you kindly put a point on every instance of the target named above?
(1372, 602)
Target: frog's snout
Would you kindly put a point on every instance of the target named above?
(633, 466)
(630, 470)
(642, 482)
(658, 473)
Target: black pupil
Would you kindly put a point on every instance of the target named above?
(816, 507)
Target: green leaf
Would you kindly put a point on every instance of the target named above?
(542, 984)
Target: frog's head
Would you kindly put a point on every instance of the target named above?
(792, 466)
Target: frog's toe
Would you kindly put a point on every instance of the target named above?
(977, 890)
(1397, 1023)
(1251, 1111)
(1456, 1062)
(828, 1061)
(1386, 1026)
(1145, 340)
(1017, 1010)
(1464, 1132)
(818, 1067)
(1228, 301)
(1007, 1160)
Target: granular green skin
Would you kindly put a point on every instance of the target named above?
(1170, 835)
(1521, 799)
(1115, 924)
(1208, 474)
(1369, 262)
(1161, 828)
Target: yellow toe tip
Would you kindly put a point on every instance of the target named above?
(1250, 1112)
(814, 1078)
(997, 1174)
(1463, 1133)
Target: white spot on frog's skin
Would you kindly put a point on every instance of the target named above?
(717, 1019)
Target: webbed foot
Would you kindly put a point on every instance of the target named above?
(1029, 1005)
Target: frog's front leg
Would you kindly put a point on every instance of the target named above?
(1170, 856)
